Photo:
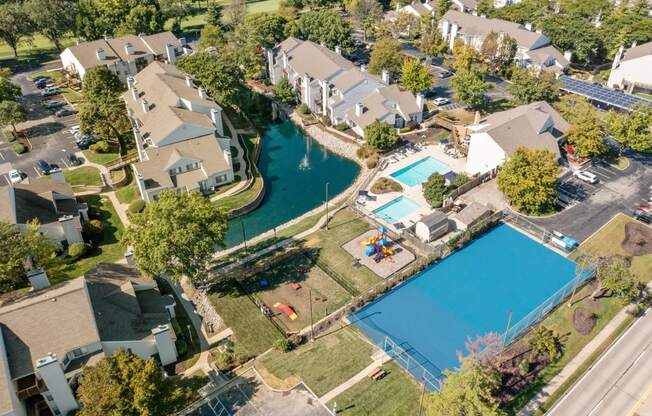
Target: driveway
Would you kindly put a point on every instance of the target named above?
(591, 206)
(50, 137)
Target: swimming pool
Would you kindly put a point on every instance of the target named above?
(396, 209)
(468, 294)
(419, 171)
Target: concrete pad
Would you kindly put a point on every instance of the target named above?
(387, 265)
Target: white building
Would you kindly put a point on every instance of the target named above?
(126, 55)
(179, 133)
(495, 138)
(331, 85)
(49, 335)
(533, 47)
(632, 69)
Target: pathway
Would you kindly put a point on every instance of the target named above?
(242, 172)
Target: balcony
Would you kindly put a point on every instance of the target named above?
(29, 386)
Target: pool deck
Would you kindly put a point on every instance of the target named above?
(388, 265)
(412, 192)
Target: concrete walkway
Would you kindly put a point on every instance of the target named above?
(576, 362)
(242, 172)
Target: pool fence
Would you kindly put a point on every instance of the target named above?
(414, 363)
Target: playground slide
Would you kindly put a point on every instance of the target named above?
(287, 310)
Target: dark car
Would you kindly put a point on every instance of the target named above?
(429, 93)
(64, 112)
(86, 142)
(41, 83)
(643, 216)
(445, 74)
(44, 167)
(74, 160)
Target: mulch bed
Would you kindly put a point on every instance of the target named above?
(638, 239)
(584, 321)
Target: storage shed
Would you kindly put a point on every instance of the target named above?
(432, 226)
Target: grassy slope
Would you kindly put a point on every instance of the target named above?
(85, 175)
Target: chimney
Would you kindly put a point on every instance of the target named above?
(528, 26)
(130, 82)
(129, 257)
(50, 370)
(202, 93)
(539, 31)
(338, 50)
(216, 118)
(129, 48)
(359, 109)
(484, 16)
(285, 60)
(70, 231)
(420, 102)
(135, 93)
(171, 52)
(363, 68)
(186, 50)
(57, 175)
(386, 76)
(38, 278)
(167, 350)
(189, 82)
(182, 41)
(100, 54)
(145, 106)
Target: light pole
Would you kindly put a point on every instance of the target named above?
(327, 183)
(244, 236)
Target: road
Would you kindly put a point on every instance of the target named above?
(620, 383)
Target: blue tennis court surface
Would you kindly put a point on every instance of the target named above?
(465, 295)
(419, 171)
(396, 209)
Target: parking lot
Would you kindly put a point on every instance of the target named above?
(50, 137)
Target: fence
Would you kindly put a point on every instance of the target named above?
(408, 359)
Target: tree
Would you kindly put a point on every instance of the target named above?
(386, 55)
(624, 26)
(528, 179)
(214, 14)
(380, 135)
(498, 51)
(283, 91)
(52, 18)
(143, 18)
(261, 30)
(8, 90)
(434, 190)
(586, 132)
(431, 42)
(218, 73)
(615, 277)
(585, 9)
(634, 129)
(365, 13)
(468, 391)
(88, 24)
(485, 7)
(526, 11)
(101, 82)
(470, 87)
(234, 13)
(529, 86)
(211, 36)
(465, 56)
(415, 76)
(569, 33)
(324, 25)
(442, 7)
(177, 235)
(15, 25)
(11, 113)
(544, 340)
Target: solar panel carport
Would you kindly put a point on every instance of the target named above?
(601, 94)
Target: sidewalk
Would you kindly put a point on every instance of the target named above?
(379, 359)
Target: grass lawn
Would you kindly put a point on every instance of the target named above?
(31, 54)
(644, 95)
(109, 250)
(129, 192)
(395, 394)
(254, 332)
(100, 158)
(327, 295)
(83, 176)
(606, 242)
(343, 227)
(322, 365)
(242, 198)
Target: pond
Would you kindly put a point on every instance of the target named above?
(295, 169)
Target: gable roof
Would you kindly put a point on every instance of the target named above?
(307, 57)
(43, 199)
(637, 52)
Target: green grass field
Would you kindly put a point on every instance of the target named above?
(395, 394)
(83, 176)
(129, 192)
(100, 158)
(322, 365)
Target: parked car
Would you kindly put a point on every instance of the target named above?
(15, 176)
(54, 104)
(85, 142)
(643, 216)
(586, 176)
(429, 93)
(45, 167)
(64, 112)
(74, 160)
(75, 129)
(445, 74)
(47, 92)
(41, 83)
(441, 101)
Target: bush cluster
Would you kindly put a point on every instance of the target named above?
(100, 147)
(137, 206)
(77, 250)
(19, 148)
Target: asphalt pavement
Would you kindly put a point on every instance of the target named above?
(620, 383)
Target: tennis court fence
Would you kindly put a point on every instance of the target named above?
(414, 363)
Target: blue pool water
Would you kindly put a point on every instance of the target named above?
(295, 169)
(396, 209)
(419, 171)
(468, 294)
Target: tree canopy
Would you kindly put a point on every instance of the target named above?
(11, 112)
(15, 24)
(387, 55)
(323, 25)
(434, 190)
(527, 180)
(8, 90)
(365, 13)
(470, 87)
(586, 134)
(615, 276)
(257, 31)
(633, 130)
(54, 19)
(177, 235)
(498, 52)
(380, 135)
(283, 91)
(570, 33)
(415, 77)
(218, 73)
(431, 42)
(529, 86)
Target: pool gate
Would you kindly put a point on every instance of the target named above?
(414, 363)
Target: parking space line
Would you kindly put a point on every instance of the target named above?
(36, 170)
(605, 171)
(64, 162)
(2, 156)
(6, 178)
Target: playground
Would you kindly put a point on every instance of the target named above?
(375, 250)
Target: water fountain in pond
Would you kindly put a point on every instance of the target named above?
(305, 162)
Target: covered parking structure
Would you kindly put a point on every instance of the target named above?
(602, 96)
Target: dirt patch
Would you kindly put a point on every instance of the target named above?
(276, 383)
(638, 239)
(584, 321)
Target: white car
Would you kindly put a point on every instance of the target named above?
(585, 176)
(15, 176)
(76, 128)
(441, 101)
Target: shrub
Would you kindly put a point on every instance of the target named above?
(341, 126)
(77, 250)
(384, 185)
(380, 135)
(19, 148)
(100, 147)
(137, 206)
(372, 162)
(434, 189)
(459, 181)
(296, 340)
(404, 129)
(303, 109)
(182, 346)
(364, 152)
(93, 228)
(326, 121)
(9, 135)
(283, 345)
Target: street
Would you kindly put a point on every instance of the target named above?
(620, 383)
